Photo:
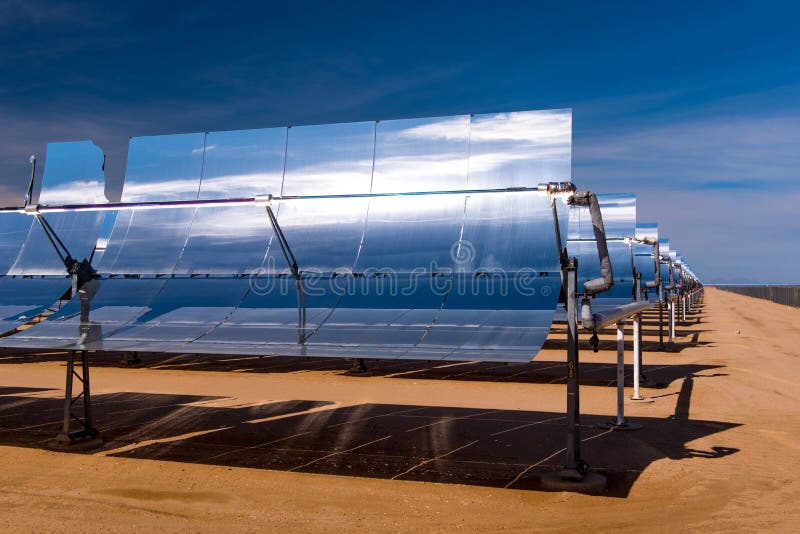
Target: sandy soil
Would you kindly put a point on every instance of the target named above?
(194, 444)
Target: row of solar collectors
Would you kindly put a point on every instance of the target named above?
(454, 276)
(449, 281)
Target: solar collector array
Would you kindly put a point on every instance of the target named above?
(213, 279)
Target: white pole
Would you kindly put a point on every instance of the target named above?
(620, 375)
(637, 355)
(671, 320)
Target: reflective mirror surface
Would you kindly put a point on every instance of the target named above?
(520, 149)
(332, 159)
(164, 168)
(421, 155)
(448, 276)
(73, 174)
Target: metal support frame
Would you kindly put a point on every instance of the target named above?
(575, 467)
(620, 422)
(575, 474)
(86, 435)
(292, 262)
(85, 285)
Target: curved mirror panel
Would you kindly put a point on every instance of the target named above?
(117, 303)
(647, 231)
(14, 230)
(231, 240)
(520, 149)
(421, 155)
(332, 159)
(268, 319)
(164, 168)
(184, 310)
(243, 163)
(392, 311)
(73, 174)
(323, 234)
(77, 230)
(22, 299)
(508, 232)
(412, 233)
(147, 242)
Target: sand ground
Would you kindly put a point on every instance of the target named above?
(194, 444)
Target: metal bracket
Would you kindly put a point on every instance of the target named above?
(81, 271)
(292, 262)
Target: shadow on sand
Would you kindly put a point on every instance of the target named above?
(535, 372)
(485, 447)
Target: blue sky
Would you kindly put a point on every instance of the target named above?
(694, 106)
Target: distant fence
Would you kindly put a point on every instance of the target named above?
(788, 295)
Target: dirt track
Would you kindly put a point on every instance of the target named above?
(197, 444)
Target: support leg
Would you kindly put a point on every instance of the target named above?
(671, 321)
(359, 368)
(132, 359)
(620, 375)
(638, 367)
(637, 358)
(85, 436)
(575, 475)
(620, 423)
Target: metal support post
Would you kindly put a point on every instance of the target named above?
(620, 423)
(575, 466)
(660, 321)
(671, 320)
(638, 375)
(620, 374)
(638, 372)
(359, 368)
(574, 475)
(86, 436)
(637, 357)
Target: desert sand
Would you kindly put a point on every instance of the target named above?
(245, 444)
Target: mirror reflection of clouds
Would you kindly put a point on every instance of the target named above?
(324, 234)
(421, 155)
(226, 240)
(243, 163)
(619, 217)
(429, 154)
(520, 149)
(330, 159)
(164, 168)
(647, 230)
(412, 233)
(73, 174)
